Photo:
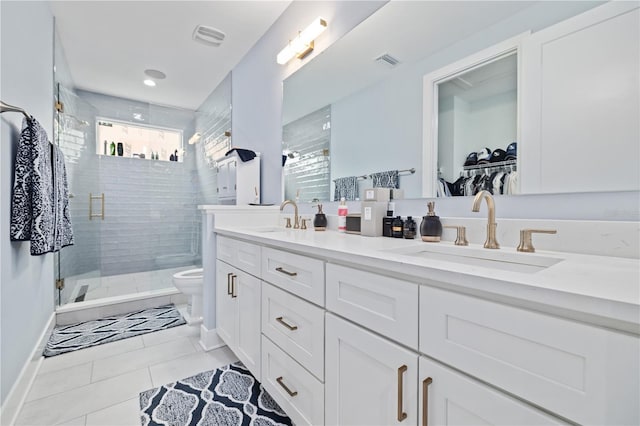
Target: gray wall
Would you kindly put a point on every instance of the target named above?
(26, 80)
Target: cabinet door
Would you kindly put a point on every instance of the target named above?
(226, 305)
(247, 289)
(450, 398)
(581, 103)
(369, 380)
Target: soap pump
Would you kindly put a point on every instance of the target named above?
(320, 220)
(431, 228)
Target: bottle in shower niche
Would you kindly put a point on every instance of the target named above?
(397, 227)
(342, 215)
(409, 228)
(120, 149)
(112, 148)
(106, 147)
(431, 227)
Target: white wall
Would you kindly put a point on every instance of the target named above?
(257, 80)
(26, 80)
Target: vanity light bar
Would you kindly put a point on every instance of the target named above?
(302, 45)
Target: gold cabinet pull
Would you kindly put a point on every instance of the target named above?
(290, 327)
(284, 271)
(96, 197)
(233, 286)
(229, 283)
(401, 414)
(425, 401)
(281, 383)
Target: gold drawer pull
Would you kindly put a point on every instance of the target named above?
(425, 401)
(229, 283)
(281, 383)
(290, 327)
(284, 271)
(401, 414)
(233, 286)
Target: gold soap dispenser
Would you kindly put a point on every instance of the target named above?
(431, 227)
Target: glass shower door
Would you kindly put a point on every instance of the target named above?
(78, 267)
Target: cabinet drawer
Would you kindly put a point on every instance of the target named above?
(387, 305)
(455, 399)
(242, 255)
(299, 394)
(300, 275)
(296, 326)
(580, 372)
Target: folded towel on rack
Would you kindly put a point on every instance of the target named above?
(389, 179)
(346, 187)
(40, 200)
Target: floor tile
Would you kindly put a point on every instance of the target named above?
(195, 341)
(126, 413)
(169, 334)
(60, 381)
(85, 399)
(118, 364)
(70, 359)
(78, 421)
(189, 365)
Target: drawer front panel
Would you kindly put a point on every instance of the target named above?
(225, 249)
(300, 275)
(282, 376)
(577, 371)
(244, 256)
(247, 258)
(387, 305)
(296, 326)
(455, 399)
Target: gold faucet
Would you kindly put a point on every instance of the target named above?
(491, 242)
(296, 223)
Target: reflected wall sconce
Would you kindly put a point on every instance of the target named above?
(195, 138)
(302, 45)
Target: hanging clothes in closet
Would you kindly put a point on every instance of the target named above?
(501, 182)
(40, 199)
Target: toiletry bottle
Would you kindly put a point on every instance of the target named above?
(320, 220)
(431, 228)
(387, 221)
(409, 228)
(112, 148)
(396, 228)
(106, 147)
(342, 215)
(120, 149)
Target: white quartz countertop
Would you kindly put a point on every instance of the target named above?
(597, 289)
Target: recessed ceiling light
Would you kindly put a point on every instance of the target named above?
(158, 75)
(149, 82)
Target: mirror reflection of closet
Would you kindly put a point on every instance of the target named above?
(471, 106)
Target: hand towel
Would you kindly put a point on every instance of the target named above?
(387, 179)
(346, 187)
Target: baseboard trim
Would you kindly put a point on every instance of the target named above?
(209, 339)
(18, 393)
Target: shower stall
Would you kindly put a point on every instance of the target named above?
(135, 220)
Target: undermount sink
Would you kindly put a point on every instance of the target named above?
(492, 259)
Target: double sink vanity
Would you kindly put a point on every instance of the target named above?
(346, 329)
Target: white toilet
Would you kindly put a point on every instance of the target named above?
(190, 283)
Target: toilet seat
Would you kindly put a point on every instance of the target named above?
(189, 275)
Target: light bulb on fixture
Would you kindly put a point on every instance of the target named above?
(149, 82)
(302, 45)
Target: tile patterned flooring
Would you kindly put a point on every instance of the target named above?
(100, 385)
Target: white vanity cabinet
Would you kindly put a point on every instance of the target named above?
(369, 379)
(580, 88)
(238, 300)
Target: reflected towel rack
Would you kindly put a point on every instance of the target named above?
(4, 107)
(405, 171)
(363, 177)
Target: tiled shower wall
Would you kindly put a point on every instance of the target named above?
(151, 221)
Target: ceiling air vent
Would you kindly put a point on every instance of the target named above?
(387, 60)
(208, 35)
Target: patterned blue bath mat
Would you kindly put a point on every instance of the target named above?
(67, 338)
(227, 396)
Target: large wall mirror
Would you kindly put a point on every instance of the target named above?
(375, 115)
